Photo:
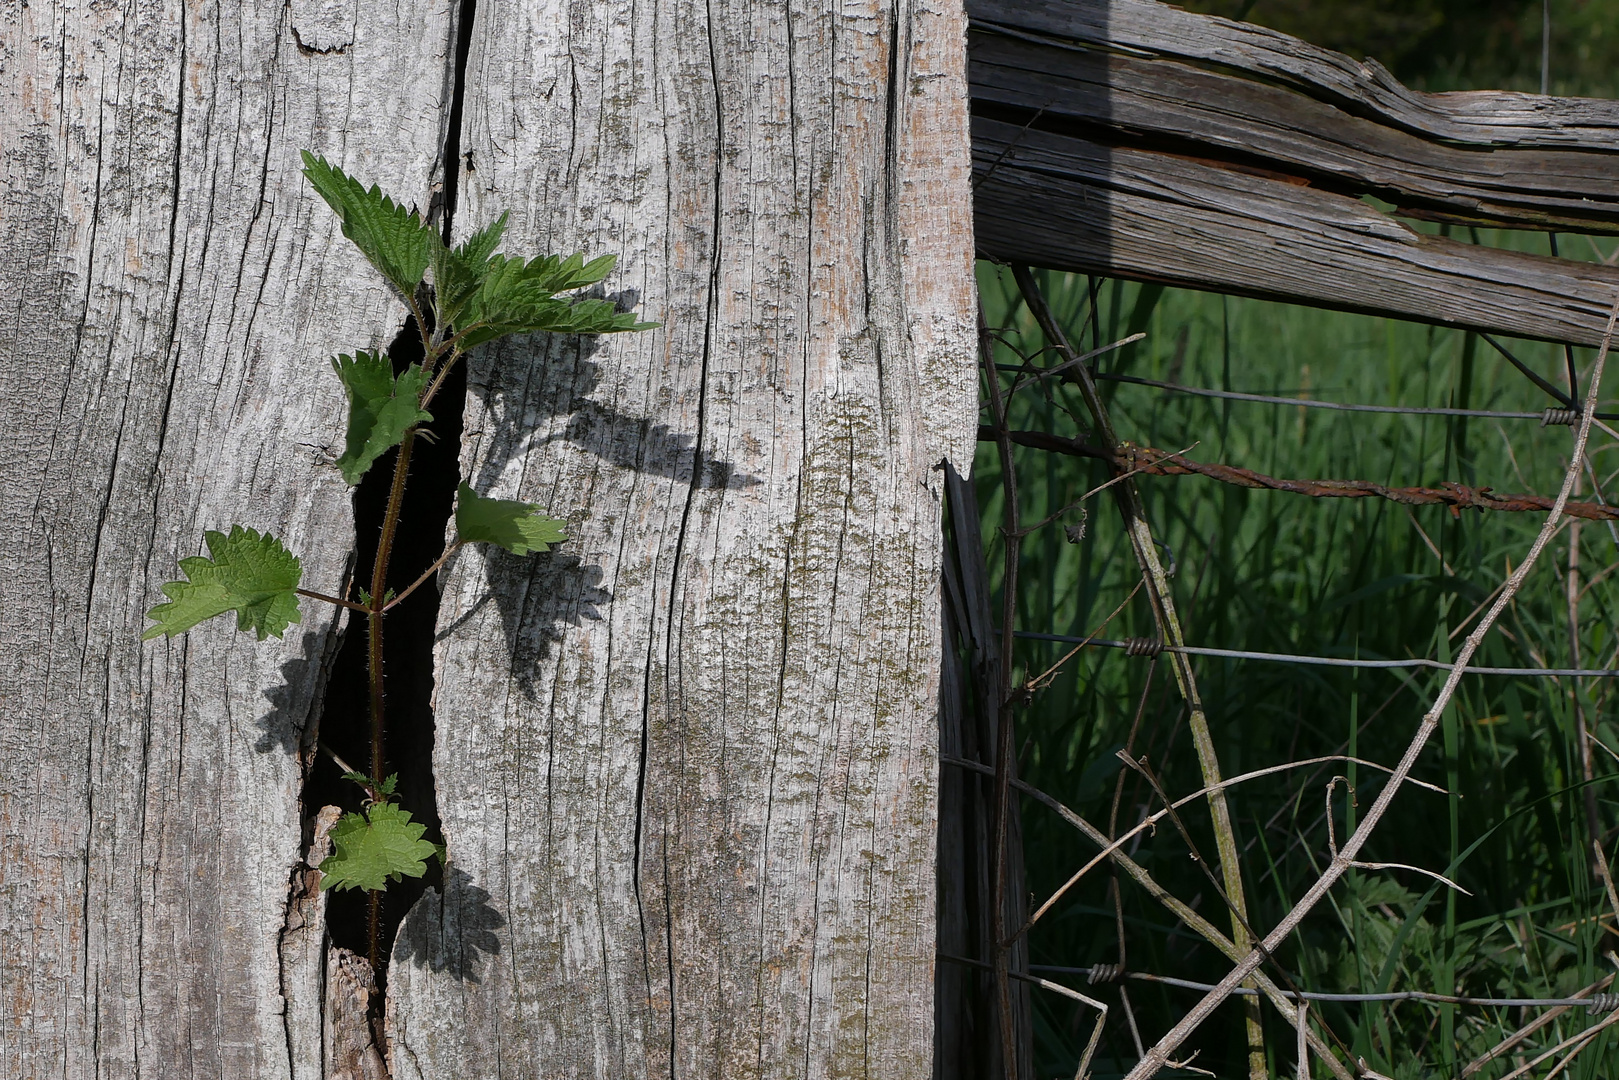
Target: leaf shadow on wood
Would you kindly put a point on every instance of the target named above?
(528, 384)
(528, 381)
(295, 702)
(451, 929)
(537, 391)
(539, 597)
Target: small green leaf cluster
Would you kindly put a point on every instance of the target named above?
(460, 298)
(477, 295)
(484, 295)
(377, 845)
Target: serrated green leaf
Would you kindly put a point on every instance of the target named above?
(383, 788)
(397, 241)
(458, 273)
(519, 527)
(250, 574)
(524, 315)
(381, 408)
(480, 247)
(520, 298)
(376, 847)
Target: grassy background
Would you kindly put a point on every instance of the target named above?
(1275, 572)
(1455, 44)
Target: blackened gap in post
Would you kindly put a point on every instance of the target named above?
(452, 134)
(408, 653)
(408, 630)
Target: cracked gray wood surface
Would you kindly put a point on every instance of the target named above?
(1132, 139)
(170, 292)
(1073, 204)
(687, 764)
(1148, 28)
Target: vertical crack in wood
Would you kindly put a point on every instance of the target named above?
(424, 518)
(343, 1029)
(671, 633)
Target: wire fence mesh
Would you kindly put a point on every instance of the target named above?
(1088, 833)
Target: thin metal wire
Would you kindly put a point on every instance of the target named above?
(1148, 647)
(1528, 373)
(1597, 1003)
(1566, 413)
(1544, 416)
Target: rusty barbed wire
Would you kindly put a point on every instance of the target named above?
(1142, 646)
(1458, 497)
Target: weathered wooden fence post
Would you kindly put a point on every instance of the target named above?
(687, 769)
(171, 293)
(696, 758)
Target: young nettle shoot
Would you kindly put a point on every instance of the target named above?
(459, 298)
(378, 846)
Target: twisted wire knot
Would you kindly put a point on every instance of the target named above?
(1564, 417)
(1600, 1003)
(1142, 646)
(1106, 973)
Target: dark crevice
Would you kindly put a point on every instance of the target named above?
(408, 671)
(408, 677)
(314, 50)
(452, 134)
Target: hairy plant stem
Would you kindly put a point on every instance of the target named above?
(453, 344)
(379, 604)
(379, 584)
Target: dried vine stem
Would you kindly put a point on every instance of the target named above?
(1573, 1044)
(1128, 498)
(1114, 849)
(1341, 861)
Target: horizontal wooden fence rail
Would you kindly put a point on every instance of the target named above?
(1133, 139)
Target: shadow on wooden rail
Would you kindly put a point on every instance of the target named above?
(1132, 139)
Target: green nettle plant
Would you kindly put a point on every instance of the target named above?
(475, 295)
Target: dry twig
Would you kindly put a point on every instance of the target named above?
(1158, 1056)
(1530, 1028)
(1128, 499)
(1113, 849)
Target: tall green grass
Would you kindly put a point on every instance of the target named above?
(1281, 573)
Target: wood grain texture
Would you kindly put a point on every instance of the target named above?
(1133, 139)
(687, 764)
(1148, 28)
(1068, 203)
(1180, 107)
(170, 291)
